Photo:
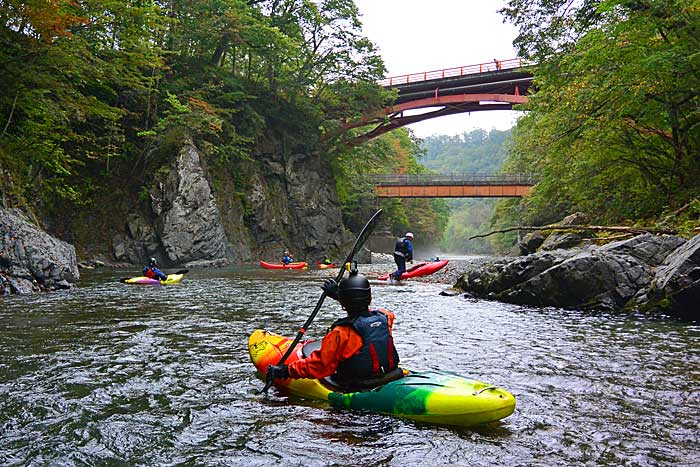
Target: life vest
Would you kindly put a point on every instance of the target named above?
(148, 272)
(376, 357)
(401, 247)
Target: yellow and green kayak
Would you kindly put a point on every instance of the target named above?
(426, 396)
(143, 280)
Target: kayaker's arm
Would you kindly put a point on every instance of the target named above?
(339, 344)
(160, 274)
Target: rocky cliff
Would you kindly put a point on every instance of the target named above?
(198, 214)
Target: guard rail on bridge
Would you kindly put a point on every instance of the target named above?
(495, 65)
(453, 179)
(472, 185)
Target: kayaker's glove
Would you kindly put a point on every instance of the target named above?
(330, 286)
(276, 371)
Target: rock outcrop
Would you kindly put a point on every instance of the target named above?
(187, 218)
(32, 260)
(647, 272)
(184, 223)
(285, 202)
(676, 286)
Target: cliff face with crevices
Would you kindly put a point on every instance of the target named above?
(198, 215)
(194, 213)
(32, 260)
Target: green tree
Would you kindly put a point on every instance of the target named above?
(614, 125)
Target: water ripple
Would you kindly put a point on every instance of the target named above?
(114, 374)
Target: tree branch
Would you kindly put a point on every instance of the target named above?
(595, 228)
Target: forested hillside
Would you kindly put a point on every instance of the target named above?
(475, 152)
(614, 127)
(98, 97)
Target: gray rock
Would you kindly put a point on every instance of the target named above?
(589, 280)
(561, 240)
(285, 202)
(498, 276)
(676, 286)
(187, 217)
(531, 243)
(32, 260)
(648, 248)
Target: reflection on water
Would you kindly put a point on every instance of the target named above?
(115, 373)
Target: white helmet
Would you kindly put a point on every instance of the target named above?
(408, 234)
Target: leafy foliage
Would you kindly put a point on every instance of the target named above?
(90, 87)
(614, 127)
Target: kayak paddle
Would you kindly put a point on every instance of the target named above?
(361, 239)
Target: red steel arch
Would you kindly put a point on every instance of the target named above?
(496, 85)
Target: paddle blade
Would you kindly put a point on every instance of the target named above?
(182, 271)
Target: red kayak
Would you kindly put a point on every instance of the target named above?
(296, 265)
(420, 269)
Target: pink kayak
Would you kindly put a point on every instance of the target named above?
(420, 269)
(297, 265)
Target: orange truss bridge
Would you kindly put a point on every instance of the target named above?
(452, 185)
(496, 85)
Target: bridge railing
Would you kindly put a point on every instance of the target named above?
(454, 179)
(495, 65)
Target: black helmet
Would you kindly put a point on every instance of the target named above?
(153, 262)
(354, 293)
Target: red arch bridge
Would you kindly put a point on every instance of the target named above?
(496, 85)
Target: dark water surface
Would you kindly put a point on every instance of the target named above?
(114, 374)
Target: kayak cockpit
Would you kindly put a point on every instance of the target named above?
(366, 385)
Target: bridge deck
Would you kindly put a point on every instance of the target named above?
(453, 185)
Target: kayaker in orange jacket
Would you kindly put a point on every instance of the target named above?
(358, 352)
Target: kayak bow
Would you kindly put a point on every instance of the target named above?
(420, 269)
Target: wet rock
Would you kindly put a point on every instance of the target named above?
(531, 243)
(32, 260)
(589, 280)
(648, 272)
(451, 292)
(187, 220)
(676, 286)
(650, 249)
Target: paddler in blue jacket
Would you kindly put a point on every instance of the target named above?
(358, 352)
(403, 251)
(287, 258)
(152, 271)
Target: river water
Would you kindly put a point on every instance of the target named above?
(115, 374)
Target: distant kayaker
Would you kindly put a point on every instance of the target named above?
(403, 251)
(358, 352)
(326, 260)
(287, 258)
(152, 270)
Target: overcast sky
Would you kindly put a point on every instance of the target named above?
(424, 35)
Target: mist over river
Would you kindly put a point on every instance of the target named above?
(116, 374)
